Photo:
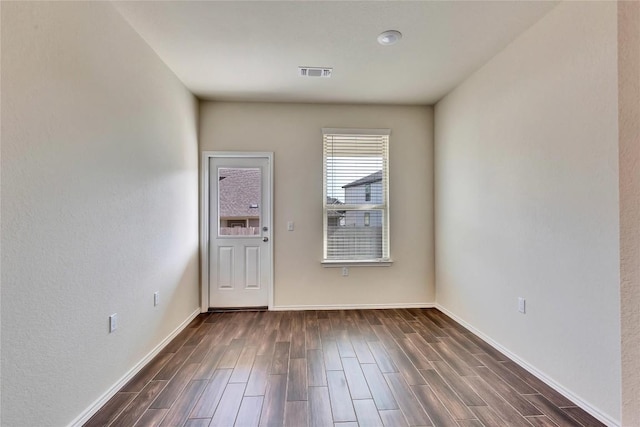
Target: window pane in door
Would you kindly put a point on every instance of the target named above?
(239, 201)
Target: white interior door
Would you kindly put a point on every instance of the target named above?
(239, 231)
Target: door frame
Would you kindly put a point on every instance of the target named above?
(205, 243)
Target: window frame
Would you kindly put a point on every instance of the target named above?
(386, 259)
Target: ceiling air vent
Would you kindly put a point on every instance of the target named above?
(315, 72)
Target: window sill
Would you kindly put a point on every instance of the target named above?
(363, 263)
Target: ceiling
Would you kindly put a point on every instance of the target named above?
(250, 51)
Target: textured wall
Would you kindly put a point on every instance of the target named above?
(99, 206)
(629, 124)
(527, 200)
(293, 133)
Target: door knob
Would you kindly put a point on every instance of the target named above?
(265, 239)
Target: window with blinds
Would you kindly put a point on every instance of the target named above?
(356, 195)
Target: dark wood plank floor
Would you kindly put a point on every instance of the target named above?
(404, 367)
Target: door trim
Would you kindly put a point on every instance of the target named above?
(204, 219)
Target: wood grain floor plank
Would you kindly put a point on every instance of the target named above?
(197, 337)
(367, 413)
(541, 421)
(470, 423)
(243, 367)
(316, 375)
(210, 363)
(341, 405)
(344, 344)
(181, 408)
(411, 408)
(540, 387)
(284, 329)
(582, 417)
(280, 362)
(433, 329)
(424, 332)
(355, 379)
(319, 407)
(174, 364)
(178, 341)
(385, 337)
(312, 337)
(174, 387)
(331, 356)
(298, 348)
(497, 403)
(464, 341)
(433, 406)
(297, 380)
(151, 418)
(550, 410)
(274, 401)
(202, 350)
(363, 353)
(231, 356)
(508, 376)
(452, 359)
(406, 368)
(415, 356)
(111, 409)
(227, 410)
(462, 353)
(488, 416)
(380, 391)
(208, 401)
(393, 328)
(199, 320)
(423, 346)
(365, 330)
(507, 393)
(296, 414)
(252, 367)
(257, 383)
(268, 343)
(444, 321)
(487, 348)
(249, 412)
(447, 396)
(457, 384)
(146, 374)
(130, 415)
(382, 358)
(198, 422)
(326, 331)
(393, 418)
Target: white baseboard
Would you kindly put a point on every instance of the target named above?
(352, 306)
(95, 406)
(595, 412)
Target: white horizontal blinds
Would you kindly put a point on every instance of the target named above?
(356, 195)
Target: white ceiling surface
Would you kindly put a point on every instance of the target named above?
(250, 51)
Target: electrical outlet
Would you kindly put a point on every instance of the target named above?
(113, 322)
(345, 271)
(290, 225)
(521, 305)
(156, 298)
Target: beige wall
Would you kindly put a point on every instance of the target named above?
(527, 201)
(629, 124)
(293, 133)
(99, 206)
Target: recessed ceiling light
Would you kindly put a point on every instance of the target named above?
(387, 38)
(315, 72)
